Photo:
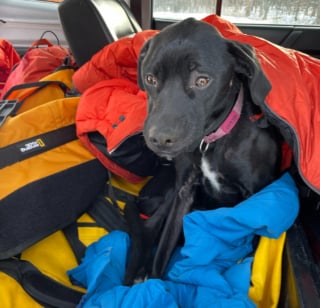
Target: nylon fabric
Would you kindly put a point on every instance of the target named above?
(109, 121)
(58, 113)
(293, 103)
(53, 255)
(266, 284)
(33, 94)
(9, 57)
(12, 294)
(40, 60)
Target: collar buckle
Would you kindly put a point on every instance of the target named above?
(204, 146)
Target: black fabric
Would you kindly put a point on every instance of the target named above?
(151, 196)
(48, 205)
(37, 86)
(7, 107)
(107, 214)
(35, 145)
(118, 194)
(72, 236)
(40, 287)
(132, 154)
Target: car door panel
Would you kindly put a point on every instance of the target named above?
(305, 39)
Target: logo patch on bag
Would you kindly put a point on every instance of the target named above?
(32, 145)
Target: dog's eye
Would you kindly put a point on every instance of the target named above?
(202, 82)
(151, 80)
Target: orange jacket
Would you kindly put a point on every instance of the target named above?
(113, 106)
(8, 58)
(293, 103)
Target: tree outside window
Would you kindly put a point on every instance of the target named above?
(286, 12)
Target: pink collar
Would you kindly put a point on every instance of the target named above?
(226, 126)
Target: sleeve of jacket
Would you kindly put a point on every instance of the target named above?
(9, 57)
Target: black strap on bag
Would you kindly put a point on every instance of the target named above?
(40, 287)
(72, 236)
(35, 87)
(43, 289)
(47, 291)
(36, 145)
(106, 211)
(107, 215)
(9, 107)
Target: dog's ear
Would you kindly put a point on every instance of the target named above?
(246, 62)
(142, 54)
(248, 65)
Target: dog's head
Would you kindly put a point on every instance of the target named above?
(188, 71)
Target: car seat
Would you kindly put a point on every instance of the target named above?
(89, 25)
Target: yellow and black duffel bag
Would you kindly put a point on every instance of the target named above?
(48, 178)
(38, 276)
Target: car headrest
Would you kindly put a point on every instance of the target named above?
(89, 25)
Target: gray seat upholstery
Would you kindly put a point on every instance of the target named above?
(89, 25)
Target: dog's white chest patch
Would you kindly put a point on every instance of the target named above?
(211, 175)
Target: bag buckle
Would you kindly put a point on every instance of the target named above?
(7, 108)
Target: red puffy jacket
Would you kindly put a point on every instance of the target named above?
(113, 106)
(8, 58)
(293, 104)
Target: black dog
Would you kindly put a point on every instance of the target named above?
(204, 93)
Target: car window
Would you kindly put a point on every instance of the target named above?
(22, 22)
(57, 1)
(289, 12)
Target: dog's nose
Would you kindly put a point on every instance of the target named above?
(162, 140)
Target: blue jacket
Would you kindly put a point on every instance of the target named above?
(212, 269)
